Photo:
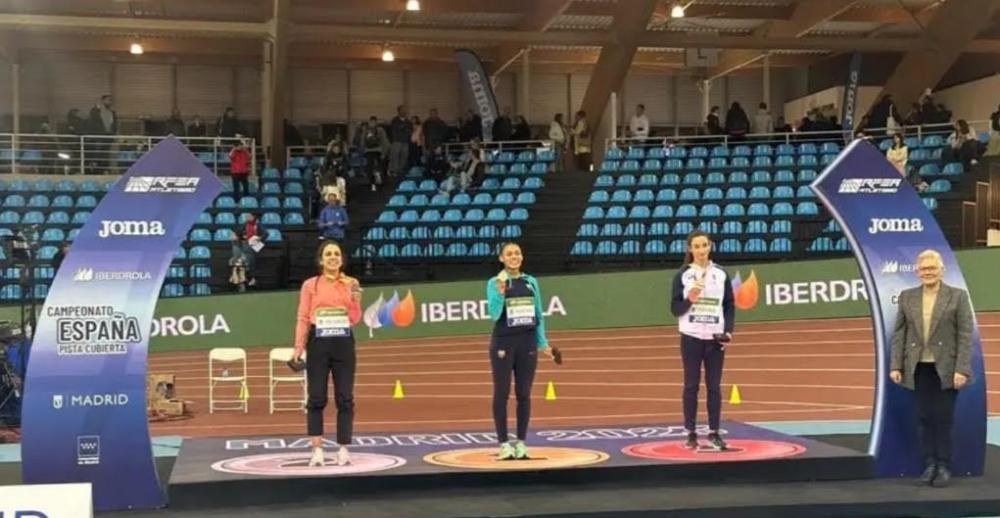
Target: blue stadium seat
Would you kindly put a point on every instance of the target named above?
(696, 163)
(200, 234)
(608, 166)
(732, 227)
(67, 186)
(635, 229)
(755, 246)
(519, 169)
(457, 250)
(736, 193)
(830, 147)
(249, 203)
(715, 178)
(434, 250)
(652, 164)
(62, 201)
(459, 200)
(376, 234)
(783, 192)
(223, 202)
(659, 228)
(636, 153)
(444, 232)
(761, 177)
(781, 226)
(929, 170)
(518, 214)
(588, 230)
(740, 161)
(630, 247)
(698, 151)
(804, 192)
(655, 246)
(199, 252)
(666, 195)
(616, 212)
(756, 227)
(758, 209)
(510, 232)
(808, 161)
(738, 177)
(762, 161)
(180, 253)
(720, 151)
(626, 180)
(58, 218)
(933, 141)
(270, 188)
(823, 160)
(807, 175)
(730, 246)
(663, 211)
(807, 148)
(759, 192)
(710, 210)
(545, 155)
(9, 217)
(222, 234)
(690, 194)
(940, 185)
(629, 166)
(712, 193)
(670, 179)
(678, 246)
(742, 151)
(598, 197)
(782, 209)
(293, 203)
(176, 271)
(807, 208)
(615, 153)
(781, 245)
(686, 211)
(784, 176)
(427, 186)
(783, 161)
(763, 150)
(643, 196)
(734, 210)
(397, 200)
(13, 200)
(953, 168)
(86, 201)
(649, 180)
(53, 234)
(533, 183)
(692, 179)
(621, 196)
(582, 248)
(420, 200)
(657, 152)
(34, 217)
(294, 218)
(474, 215)
(611, 230)
(420, 233)
(607, 248)
(677, 152)
(930, 203)
(452, 216)
(539, 168)
(717, 163)
(80, 217)
(410, 250)
(200, 271)
(388, 250)
(604, 181)
(673, 164)
(639, 212)
(430, 216)
(593, 213)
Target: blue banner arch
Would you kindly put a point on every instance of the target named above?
(84, 417)
(887, 225)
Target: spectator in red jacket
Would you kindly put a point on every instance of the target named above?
(239, 169)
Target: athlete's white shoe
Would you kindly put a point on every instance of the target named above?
(317, 458)
(343, 456)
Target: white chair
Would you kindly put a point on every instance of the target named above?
(231, 358)
(279, 356)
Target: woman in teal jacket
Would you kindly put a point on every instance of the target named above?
(515, 306)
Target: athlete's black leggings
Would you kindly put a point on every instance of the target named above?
(694, 353)
(323, 356)
(518, 355)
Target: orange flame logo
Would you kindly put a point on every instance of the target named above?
(746, 292)
(403, 314)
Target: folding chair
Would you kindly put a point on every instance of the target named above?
(230, 357)
(280, 356)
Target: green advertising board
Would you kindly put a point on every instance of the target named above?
(767, 291)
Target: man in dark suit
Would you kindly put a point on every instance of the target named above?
(932, 356)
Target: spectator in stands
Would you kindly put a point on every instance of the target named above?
(521, 129)
(581, 142)
(470, 127)
(416, 142)
(175, 124)
(762, 122)
(60, 254)
(963, 144)
(737, 122)
(994, 145)
(333, 219)
(913, 118)
(557, 134)
(253, 242)
(435, 130)
(898, 153)
(467, 171)
(503, 128)
(197, 128)
(400, 131)
(229, 125)
(238, 263)
(372, 139)
(712, 123)
(75, 125)
(334, 178)
(638, 125)
(437, 164)
(931, 355)
(239, 169)
(103, 119)
(883, 115)
(781, 126)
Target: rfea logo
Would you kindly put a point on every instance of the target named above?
(745, 293)
(391, 313)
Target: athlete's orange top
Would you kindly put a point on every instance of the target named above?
(323, 292)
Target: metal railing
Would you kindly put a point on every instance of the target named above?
(103, 154)
(797, 137)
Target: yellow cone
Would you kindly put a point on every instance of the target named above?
(244, 392)
(397, 393)
(550, 392)
(734, 396)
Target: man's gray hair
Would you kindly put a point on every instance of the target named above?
(933, 254)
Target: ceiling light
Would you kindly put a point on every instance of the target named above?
(412, 5)
(677, 11)
(136, 49)
(388, 56)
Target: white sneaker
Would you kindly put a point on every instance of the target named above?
(317, 458)
(343, 456)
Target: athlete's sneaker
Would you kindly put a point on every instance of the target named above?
(692, 441)
(520, 450)
(343, 456)
(317, 458)
(506, 452)
(716, 442)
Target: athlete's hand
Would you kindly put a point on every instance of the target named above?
(297, 355)
(547, 351)
(960, 380)
(502, 282)
(356, 290)
(896, 376)
(694, 294)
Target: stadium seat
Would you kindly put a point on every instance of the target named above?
(953, 168)
(690, 194)
(615, 153)
(807, 208)
(673, 164)
(781, 226)
(807, 175)
(760, 192)
(518, 214)
(696, 163)
(663, 212)
(652, 164)
(755, 246)
(734, 210)
(692, 179)
(510, 232)
(582, 248)
(686, 211)
(709, 227)
(930, 203)
(607, 248)
(639, 212)
(294, 218)
(58, 218)
(670, 179)
(730, 246)
(763, 150)
(783, 192)
(474, 215)
(780, 245)
(756, 227)
(678, 246)
(593, 213)
(762, 161)
(761, 177)
(738, 177)
(784, 176)
(616, 212)
(648, 180)
(940, 185)
(715, 178)
(666, 195)
(626, 180)
(655, 246)
(758, 209)
(732, 227)
(659, 228)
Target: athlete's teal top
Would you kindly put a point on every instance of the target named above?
(495, 305)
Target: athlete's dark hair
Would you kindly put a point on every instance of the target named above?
(319, 254)
(688, 257)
